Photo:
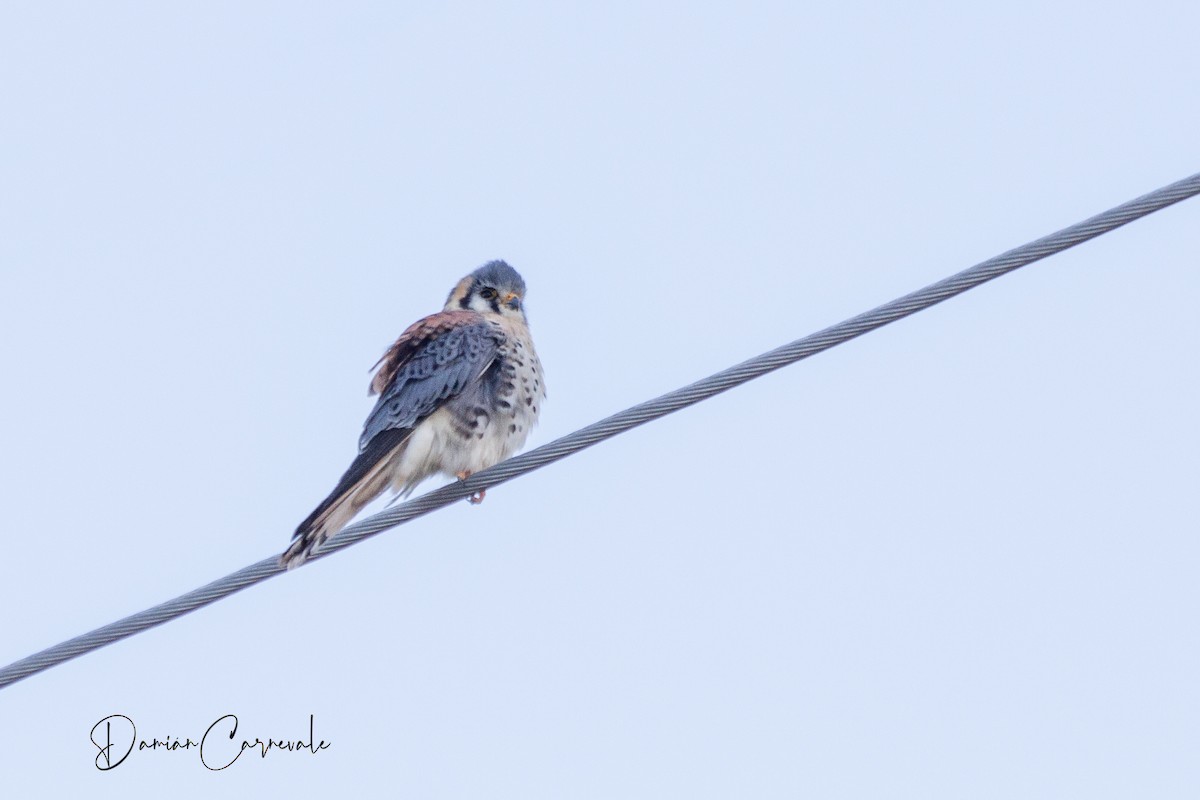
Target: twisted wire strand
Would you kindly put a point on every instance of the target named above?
(618, 423)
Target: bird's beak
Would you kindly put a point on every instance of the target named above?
(513, 301)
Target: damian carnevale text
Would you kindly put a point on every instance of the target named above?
(115, 737)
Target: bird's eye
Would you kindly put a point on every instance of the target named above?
(488, 293)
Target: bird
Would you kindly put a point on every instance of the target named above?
(459, 391)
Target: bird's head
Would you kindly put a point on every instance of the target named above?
(494, 288)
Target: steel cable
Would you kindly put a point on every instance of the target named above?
(619, 423)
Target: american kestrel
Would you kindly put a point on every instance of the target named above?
(458, 392)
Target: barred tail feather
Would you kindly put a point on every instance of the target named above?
(329, 518)
(365, 480)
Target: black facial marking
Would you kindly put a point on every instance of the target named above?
(465, 302)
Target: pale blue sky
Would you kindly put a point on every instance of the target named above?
(955, 558)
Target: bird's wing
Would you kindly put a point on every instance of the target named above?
(432, 361)
(414, 339)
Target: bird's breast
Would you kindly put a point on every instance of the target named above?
(493, 418)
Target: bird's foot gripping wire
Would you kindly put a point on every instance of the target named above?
(477, 497)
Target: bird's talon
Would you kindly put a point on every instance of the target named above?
(476, 498)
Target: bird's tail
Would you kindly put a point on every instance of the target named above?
(366, 479)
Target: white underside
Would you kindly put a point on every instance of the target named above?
(435, 447)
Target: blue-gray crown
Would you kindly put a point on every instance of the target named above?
(499, 275)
